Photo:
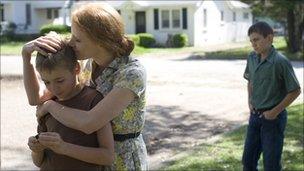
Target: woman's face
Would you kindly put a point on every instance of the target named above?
(82, 44)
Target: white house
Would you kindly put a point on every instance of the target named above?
(204, 21)
(29, 16)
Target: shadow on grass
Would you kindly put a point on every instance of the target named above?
(226, 153)
(171, 127)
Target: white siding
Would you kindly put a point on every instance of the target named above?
(161, 35)
(215, 32)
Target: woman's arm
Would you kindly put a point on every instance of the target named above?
(33, 90)
(104, 155)
(90, 121)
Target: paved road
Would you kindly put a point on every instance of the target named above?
(192, 99)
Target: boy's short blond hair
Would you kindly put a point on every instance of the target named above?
(64, 58)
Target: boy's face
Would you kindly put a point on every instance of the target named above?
(60, 82)
(260, 43)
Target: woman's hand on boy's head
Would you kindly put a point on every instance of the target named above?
(43, 45)
(34, 144)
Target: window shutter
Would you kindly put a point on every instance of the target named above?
(185, 22)
(156, 26)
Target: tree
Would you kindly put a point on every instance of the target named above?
(290, 12)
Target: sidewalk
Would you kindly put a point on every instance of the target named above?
(11, 66)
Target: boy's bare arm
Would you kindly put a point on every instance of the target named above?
(289, 98)
(103, 155)
(31, 83)
(37, 158)
(37, 151)
(249, 90)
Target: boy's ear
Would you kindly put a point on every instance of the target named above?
(77, 68)
(270, 37)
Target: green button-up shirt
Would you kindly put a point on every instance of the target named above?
(271, 79)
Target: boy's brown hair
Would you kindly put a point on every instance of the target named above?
(64, 58)
(261, 28)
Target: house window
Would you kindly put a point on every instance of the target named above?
(205, 18)
(56, 13)
(185, 21)
(176, 18)
(156, 26)
(234, 16)
(246, 15)
(28, 14)
(1, 12)
(49, 13)
(222, 15)
(165, 19)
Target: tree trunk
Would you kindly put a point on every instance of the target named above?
(295, 22)
(299, 22)
(291, 29)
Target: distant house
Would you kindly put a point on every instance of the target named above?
(29, 16)
(205, 22)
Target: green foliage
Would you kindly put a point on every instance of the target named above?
(61, 29)
(146, 40)
(226, 153)
(242, 53)
(134, 38)
(11, 47)
(276, 9)
(180, 40)
(10, 30)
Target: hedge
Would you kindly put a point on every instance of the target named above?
(61, 29)
(146, 40)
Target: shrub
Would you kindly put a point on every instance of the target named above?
(10, 30)
(180, 40)
(18, 38)
(146, 40)
(134, 38)
(61, 29)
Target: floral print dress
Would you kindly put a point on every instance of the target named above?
(125, 72)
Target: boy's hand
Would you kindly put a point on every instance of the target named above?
(250, 107)
(53, 141)
(269, 115)
(34, 145)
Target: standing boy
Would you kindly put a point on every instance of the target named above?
(272, 86)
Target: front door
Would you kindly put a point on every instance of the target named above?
(140, 22)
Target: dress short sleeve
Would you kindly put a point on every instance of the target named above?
(132, 78)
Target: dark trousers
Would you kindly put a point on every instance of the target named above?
(265, 136)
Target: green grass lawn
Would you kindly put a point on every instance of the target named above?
(241, 53)
(11, 48)
(226, 153)
(14, 48)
